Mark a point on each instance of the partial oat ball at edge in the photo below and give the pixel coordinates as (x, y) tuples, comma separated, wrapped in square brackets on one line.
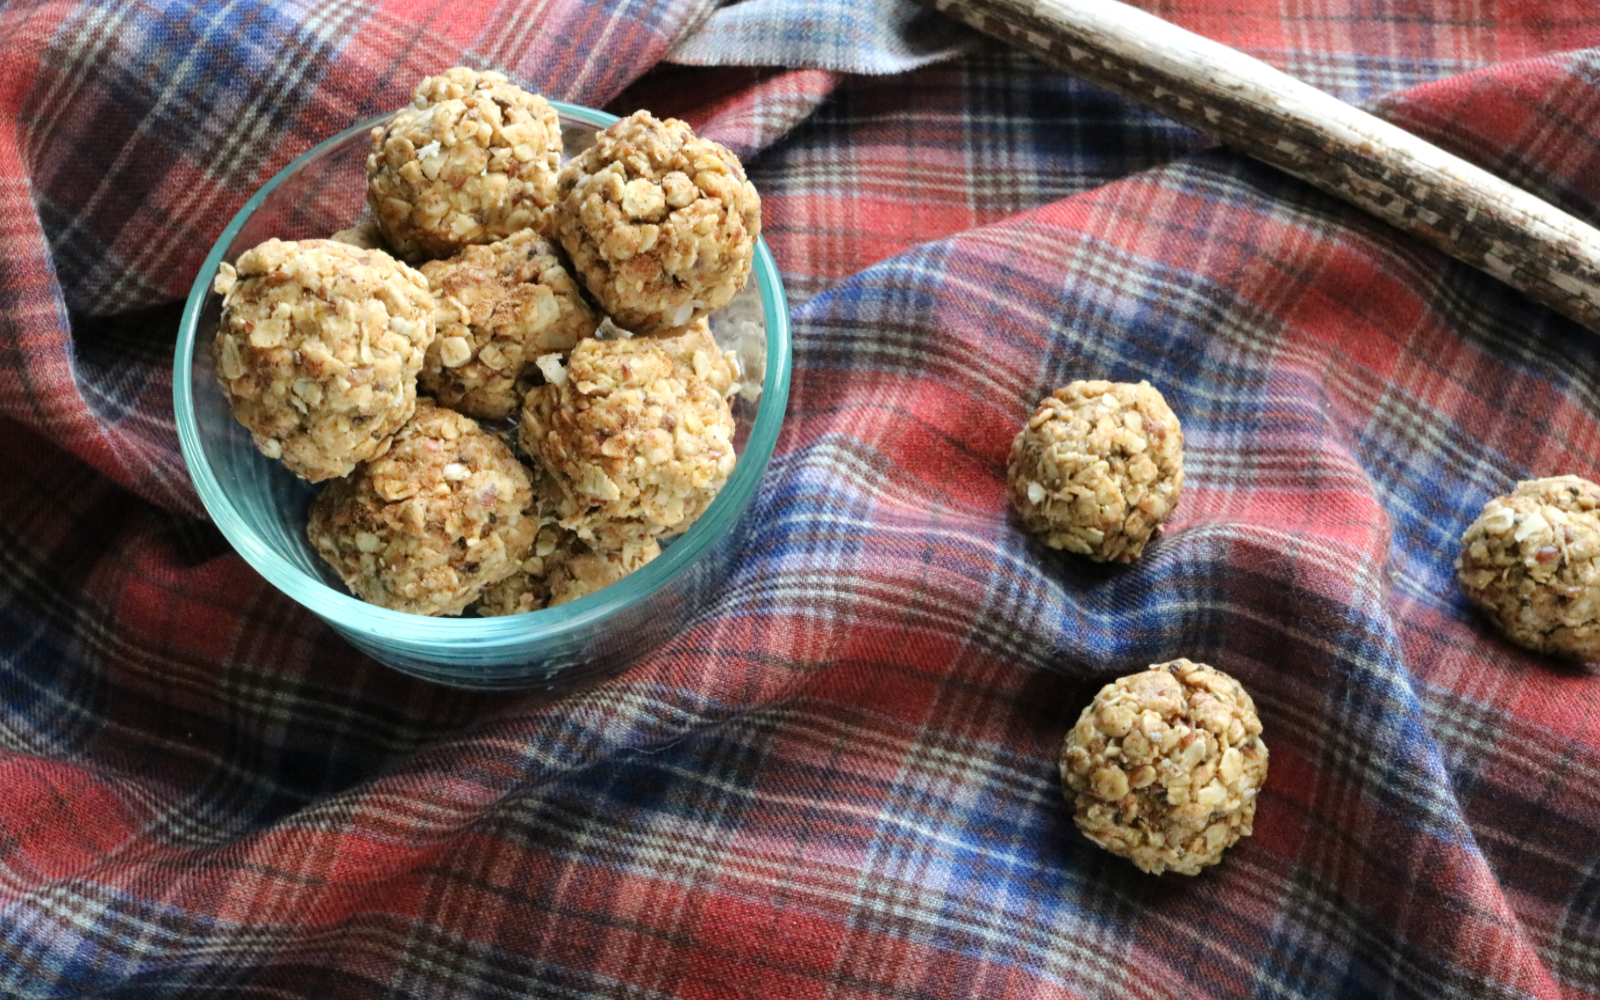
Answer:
[(1097, 468), (1164, 766), (427, 527), (562, 569), (1531, 563), (472, 159), (694, 351), (318, 350), (661, 225)]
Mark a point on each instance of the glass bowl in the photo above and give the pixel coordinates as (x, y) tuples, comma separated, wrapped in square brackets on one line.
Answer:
[(261, 507)]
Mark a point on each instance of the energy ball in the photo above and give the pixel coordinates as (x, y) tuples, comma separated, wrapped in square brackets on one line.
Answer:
[(473, 159), (1163, 767), (318, 350), (639, 451), (561, 569), (694, 352), (500, 306), (1531, 562), (661, 225), (363, 235), (1097, 469), (433, 522)]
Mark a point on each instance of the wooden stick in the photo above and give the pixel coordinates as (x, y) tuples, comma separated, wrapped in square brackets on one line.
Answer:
[(1550, 256)]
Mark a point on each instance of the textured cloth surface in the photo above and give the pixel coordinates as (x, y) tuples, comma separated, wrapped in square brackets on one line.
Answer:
[(889, 36), (841, 781)]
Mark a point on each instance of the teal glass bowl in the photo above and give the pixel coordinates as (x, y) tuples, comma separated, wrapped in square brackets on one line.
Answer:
[(261, 508)]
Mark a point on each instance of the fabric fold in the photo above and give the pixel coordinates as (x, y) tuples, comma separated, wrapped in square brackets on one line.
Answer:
[(841, 778)]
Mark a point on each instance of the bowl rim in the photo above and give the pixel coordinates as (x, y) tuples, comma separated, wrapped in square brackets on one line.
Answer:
[(348, 612)]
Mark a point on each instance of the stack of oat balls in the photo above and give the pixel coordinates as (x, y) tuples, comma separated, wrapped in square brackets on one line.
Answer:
[(505, 375)]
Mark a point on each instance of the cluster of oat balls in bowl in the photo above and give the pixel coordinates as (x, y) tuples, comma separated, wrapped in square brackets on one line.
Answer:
[(1164, 766), (504, 374)]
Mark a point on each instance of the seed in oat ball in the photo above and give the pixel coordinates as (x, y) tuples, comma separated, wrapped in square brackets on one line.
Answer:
[(661, 225), (1097, 468), (694, 352), (1164, 766), (638, 450), (472, 159), (318, 350), (425, 528), (500, 306), (1531, 563), (561, 569)]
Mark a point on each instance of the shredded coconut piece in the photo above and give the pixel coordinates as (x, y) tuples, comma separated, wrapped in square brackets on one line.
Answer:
[(554, 372)]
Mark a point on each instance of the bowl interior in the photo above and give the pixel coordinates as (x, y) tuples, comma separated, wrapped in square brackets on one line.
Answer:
[(261, 507)]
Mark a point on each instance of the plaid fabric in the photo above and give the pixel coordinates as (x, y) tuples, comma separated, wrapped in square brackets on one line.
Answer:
[(840, 782), (889, 36)]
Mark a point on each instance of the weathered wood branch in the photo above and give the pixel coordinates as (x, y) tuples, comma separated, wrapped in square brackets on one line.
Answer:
[(1550, 256)]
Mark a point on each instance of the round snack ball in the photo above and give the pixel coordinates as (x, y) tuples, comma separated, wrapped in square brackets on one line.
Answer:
[(426, 527), (561, 569), (1097, 468), (318, 350), (639, 451), (1164, 765), (695, 352), (1531, 562), (661, 225), (473, 159), (500, 306), (363, 235)]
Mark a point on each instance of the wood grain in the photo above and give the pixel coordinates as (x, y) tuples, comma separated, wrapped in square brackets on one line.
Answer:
[(1547, 254)]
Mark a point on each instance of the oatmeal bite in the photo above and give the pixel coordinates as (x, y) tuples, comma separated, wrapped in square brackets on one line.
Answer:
[(694, 352), (637, 449), (363, 235), (561, 569), (1164, 765), (1531, 563), (318, 350), (661, 225), (1097, 468), (500, 306), (472, 159), (428, 526)]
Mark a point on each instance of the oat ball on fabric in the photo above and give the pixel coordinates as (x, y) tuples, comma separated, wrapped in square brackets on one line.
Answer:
[(472, 159), (429, 525), (695, 352), (318, 350), (561, 569), (639, 451), (1097, 468), (500, 306), (1531, 562), (1164, 765), (661, 225)]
